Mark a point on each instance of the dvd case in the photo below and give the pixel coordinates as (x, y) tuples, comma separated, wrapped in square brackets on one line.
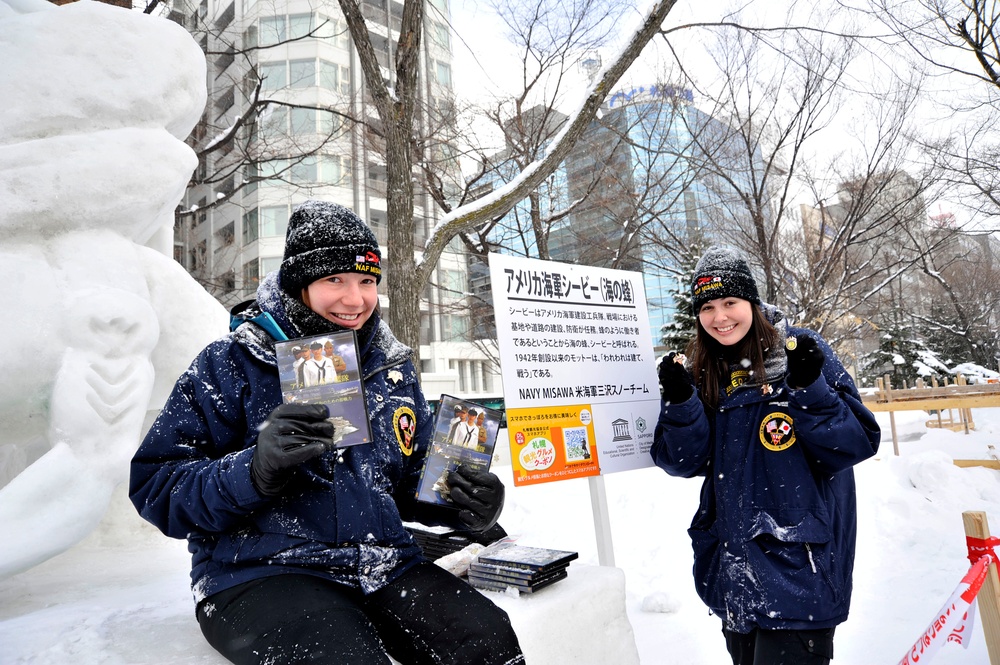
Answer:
[(464, 433), (326, 369), (537, 559), (503, 585)]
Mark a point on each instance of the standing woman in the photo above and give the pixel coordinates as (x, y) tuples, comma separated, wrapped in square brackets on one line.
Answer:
[(299, 554), (768, 415)]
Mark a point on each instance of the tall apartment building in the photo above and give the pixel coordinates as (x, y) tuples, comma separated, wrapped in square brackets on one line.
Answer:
[(317, 139)]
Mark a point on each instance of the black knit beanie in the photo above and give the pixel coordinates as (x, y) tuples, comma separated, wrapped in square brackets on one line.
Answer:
[(326, 239), (722, 273)]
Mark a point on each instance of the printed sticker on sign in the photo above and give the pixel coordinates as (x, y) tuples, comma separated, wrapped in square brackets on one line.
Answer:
[(538, 455)]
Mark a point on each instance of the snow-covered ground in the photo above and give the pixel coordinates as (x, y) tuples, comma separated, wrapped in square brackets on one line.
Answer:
[(121, 596), (91, 165)]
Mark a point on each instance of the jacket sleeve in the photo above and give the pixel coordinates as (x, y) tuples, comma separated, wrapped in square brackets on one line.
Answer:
[(191, 472), (682, 444), (836, 430)]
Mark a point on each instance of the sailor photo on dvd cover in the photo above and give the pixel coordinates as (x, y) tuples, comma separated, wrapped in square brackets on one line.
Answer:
[(324, 369), (464, 433)]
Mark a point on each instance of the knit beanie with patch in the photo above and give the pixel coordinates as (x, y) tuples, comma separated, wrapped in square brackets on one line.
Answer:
[(722, 273), (326, 239)]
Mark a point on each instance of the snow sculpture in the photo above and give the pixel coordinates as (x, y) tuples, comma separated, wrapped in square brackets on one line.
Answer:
[(97, 323)]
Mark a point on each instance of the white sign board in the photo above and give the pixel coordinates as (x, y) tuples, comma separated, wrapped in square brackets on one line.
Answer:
[(578, 369)]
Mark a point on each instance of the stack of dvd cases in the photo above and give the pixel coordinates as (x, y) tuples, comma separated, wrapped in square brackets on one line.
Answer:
[(527, 569), (436, 542)]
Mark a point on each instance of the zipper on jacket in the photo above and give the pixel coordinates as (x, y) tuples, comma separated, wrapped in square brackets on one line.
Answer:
[(809, 551)]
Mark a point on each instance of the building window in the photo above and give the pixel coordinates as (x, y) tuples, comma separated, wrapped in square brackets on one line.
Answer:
[(226, 17), (251, 230), (273, 221), (269, 264), (299, 25), (273, 75), (377, 220), (335, 170), (223, 61), (225, 101), (250, 37), (329, 123), (273, 169), (334, 31), (442, 71), (224, 236), (272, 30), (441, 35), (487, 378), (453, 283), (303, 121), (198, 256), (304, 171), (250, 175), (251, 275), (334, 77), (275, 122), (454, 326), (302, 73)]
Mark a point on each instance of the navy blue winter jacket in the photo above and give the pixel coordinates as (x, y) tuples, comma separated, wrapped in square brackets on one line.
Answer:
[(341, 520), (775, 531)]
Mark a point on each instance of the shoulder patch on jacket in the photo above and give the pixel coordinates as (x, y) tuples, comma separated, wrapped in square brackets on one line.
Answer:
[(404, 422), (776, 431)]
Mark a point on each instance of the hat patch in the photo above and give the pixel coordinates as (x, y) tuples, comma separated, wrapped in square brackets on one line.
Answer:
[(367, 263), (707, 284)]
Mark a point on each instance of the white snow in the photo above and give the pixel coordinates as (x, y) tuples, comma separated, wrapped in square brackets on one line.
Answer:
[(122, 595), (99, 319), (98, 326)]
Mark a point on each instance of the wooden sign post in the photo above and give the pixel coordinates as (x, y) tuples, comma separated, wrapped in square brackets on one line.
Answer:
[(976, 526)]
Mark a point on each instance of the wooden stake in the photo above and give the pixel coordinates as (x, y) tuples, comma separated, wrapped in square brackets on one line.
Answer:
[(976, 526), (892, 417)]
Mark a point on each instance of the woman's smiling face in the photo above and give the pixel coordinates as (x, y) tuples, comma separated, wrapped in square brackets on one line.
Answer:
[(347, 299), (726, 320)]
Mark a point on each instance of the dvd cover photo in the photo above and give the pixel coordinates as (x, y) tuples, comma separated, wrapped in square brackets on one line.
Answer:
[(325, 369), (464, 433)]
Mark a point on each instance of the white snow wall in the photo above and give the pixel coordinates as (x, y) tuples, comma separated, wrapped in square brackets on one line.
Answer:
[(97, 324)]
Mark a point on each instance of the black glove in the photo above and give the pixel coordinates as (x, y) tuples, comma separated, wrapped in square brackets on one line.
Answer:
[(805, 361), (676, 385), (291, 435), (478, 494)]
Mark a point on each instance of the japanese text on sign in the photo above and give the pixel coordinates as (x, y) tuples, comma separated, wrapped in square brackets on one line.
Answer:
[(549, 284)]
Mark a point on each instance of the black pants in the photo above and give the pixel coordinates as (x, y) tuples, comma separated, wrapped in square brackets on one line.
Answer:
[(780, 647), (428, 616)]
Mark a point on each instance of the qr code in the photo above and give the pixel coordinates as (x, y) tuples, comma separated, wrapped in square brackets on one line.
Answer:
[(577, 444)]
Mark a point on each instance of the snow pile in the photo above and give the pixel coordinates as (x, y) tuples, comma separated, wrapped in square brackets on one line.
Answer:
[(98, 101)]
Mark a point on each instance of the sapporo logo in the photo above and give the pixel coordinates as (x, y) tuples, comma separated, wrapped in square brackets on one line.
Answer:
[(776, 432)]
